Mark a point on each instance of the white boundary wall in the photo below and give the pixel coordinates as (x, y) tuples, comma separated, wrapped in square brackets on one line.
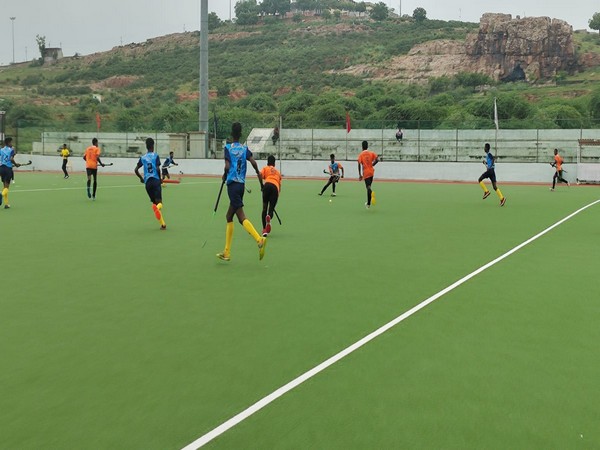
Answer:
[(392, 170)]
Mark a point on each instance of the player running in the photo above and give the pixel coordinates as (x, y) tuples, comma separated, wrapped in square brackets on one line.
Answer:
[(490, 164), (367, 160), (92, 159), (558, 175), (270, 193), (234, 175), (334, 175), (151, 163), (7, 161), (169, 161)]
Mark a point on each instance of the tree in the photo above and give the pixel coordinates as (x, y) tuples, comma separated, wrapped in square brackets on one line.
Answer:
[(214, 21), (41, 42), (379, 12), (419, 15), (247, 12), (594, 22), (275, 6)]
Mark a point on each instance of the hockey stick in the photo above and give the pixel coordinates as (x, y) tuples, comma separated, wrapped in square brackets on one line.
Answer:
[(277, 215), (28, 163)]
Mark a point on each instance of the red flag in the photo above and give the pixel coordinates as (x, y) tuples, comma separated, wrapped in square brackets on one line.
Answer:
[(98, 120), (348, 127)]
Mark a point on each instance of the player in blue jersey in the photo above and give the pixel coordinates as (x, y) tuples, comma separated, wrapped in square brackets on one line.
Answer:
[(236, 157), (7, 161), (334, 175), (490, 164), (151, 164), (169, 161)]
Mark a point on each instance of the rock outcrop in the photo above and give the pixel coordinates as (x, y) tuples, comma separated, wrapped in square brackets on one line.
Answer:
[(534, 48)]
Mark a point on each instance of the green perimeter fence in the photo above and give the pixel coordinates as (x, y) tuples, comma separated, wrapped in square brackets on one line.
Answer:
[(421, 141)]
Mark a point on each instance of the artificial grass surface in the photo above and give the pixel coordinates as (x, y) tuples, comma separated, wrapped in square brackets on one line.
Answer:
[(118, 335)]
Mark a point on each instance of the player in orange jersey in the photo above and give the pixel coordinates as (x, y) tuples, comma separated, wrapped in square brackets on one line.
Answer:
[(558, 175), (270, 193), (367, 160), (92, 159)]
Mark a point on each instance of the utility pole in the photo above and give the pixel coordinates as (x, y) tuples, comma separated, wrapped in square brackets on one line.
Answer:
[(203, 113), (13, 37)]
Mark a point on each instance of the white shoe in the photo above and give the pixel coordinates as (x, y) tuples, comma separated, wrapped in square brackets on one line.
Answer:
[(367, 205)]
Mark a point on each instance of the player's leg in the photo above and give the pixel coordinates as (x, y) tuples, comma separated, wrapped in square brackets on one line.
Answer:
[(5, 176), (554, 181), (326, 186), (483, 176), (153, 188), (561, 178), (89, 182), (368, 182), (272, 196), (496, 188), (95, 183), (64, 168)]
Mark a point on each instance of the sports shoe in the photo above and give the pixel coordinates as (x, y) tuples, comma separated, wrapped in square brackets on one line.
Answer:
[(333, 194), (163, 227), (89, 194), (156, 211), (320, 193), (6, 206), (486, 194), (373, 199), (503, 201), (222, 257), (268, 227), (66, 176), (568, 185), (262, 245), (367, 205), (264, 233), (552, 189)]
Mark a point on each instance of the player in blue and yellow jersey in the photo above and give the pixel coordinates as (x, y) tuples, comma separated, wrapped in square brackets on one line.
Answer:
[(169, 161), (151, 164), (236, 156), (7, 161), (334, 169), (490, 164), (270, 193)]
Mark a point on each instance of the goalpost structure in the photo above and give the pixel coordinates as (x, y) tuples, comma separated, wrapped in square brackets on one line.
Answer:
[(588, 161)]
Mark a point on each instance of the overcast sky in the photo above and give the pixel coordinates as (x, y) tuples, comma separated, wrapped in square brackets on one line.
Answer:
[(85, 26)]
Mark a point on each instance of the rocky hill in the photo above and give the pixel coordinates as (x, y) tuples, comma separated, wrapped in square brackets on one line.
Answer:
[(532, 48)]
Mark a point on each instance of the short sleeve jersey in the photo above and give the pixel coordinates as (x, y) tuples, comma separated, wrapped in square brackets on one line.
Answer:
[(271, 175), (150, 162), (366, 159), (92, 154), (64, 153), (168, 162), (237, 155), (559, 162), (6, 155)]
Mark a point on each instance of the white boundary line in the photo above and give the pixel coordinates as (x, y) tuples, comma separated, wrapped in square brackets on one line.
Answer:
[(205, 439)]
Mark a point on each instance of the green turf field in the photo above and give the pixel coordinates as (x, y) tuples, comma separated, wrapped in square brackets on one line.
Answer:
[(116, 335)]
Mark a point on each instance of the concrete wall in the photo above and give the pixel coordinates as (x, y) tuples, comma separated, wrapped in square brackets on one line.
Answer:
[(391, 170)]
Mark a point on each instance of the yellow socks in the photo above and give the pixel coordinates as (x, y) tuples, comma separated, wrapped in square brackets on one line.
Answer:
[(482, 184), (228, 238), (499, 194), (158, 214), (251, 230), (5, 195)]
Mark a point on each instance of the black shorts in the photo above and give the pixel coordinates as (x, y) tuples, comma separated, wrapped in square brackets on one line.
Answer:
[(368, 181), (90, 172), (154, 190), (235, 191), (490, 173), (270, 194), (165, 172), (6, 174)]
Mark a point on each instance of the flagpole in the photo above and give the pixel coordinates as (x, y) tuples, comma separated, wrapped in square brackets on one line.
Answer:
[(497, 126)]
